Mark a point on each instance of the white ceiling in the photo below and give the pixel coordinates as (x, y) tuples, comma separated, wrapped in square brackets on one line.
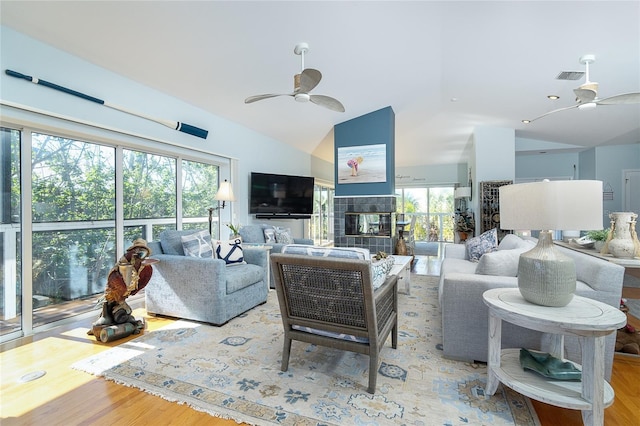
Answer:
[(498, 59)]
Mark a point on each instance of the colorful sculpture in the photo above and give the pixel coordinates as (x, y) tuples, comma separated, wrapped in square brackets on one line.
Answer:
[(130, 275)]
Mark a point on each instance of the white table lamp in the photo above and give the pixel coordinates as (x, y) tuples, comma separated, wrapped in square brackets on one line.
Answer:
[(545, 275)]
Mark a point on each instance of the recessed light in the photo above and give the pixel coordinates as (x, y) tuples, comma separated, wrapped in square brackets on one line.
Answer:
[(553, 97), (526, 121)]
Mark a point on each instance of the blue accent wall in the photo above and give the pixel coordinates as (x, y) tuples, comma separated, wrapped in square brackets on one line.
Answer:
[(375, 128)]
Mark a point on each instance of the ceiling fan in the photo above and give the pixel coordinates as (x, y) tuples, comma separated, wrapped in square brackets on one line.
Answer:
[(304, 83), (587, 94)]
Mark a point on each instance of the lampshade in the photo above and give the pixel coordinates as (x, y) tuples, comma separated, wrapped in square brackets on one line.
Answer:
[(225, 193), (552, 205), (462, 192), (546, 276)]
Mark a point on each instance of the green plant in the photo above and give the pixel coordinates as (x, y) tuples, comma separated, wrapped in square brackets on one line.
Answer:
[(600, 235), (235, 229), (464, 222)]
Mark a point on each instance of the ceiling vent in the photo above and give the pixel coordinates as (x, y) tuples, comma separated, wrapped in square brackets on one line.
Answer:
[(570, 75)]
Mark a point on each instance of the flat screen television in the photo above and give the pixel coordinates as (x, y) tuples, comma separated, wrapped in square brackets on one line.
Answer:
[(281, 196)]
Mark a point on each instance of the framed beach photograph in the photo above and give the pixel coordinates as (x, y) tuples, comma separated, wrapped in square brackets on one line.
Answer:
[(362, 164)]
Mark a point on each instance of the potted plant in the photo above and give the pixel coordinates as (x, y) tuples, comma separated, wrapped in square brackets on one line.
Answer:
[(598, 238), (235, 229), (464, 224)]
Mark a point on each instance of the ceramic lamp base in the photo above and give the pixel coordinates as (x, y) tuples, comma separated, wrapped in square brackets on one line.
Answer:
[(546, 276)]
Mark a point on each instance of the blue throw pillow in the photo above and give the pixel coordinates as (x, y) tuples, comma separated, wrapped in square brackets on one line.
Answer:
[(484, 243), (197, 245)]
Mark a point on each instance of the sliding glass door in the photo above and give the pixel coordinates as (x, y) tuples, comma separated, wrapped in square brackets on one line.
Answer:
[(71, 207), (321, 223), (10, 228), (433, 208)]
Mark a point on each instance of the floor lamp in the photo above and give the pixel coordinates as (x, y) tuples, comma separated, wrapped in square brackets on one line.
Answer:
[(224, 194), (545, 275)]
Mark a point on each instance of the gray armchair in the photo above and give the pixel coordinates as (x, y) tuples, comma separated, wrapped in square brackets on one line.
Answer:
[(322, 299), (203, 289)]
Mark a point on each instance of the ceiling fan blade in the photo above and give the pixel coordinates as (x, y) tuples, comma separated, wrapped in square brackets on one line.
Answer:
[(554, 111), (625, 98), (309, 79), (327, 102), (251, 99)]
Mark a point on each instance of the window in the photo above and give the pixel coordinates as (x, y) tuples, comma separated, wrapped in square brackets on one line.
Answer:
[(78, 189)]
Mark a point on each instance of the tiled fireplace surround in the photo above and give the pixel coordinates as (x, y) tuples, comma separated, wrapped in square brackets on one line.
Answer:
[(369, 204)]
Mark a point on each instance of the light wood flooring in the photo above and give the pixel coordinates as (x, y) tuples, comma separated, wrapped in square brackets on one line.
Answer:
[(64, 396)]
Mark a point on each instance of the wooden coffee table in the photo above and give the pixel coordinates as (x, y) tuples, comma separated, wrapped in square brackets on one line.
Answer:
[(402, 269)]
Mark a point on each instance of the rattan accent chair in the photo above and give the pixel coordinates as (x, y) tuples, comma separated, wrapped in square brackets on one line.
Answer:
[(331, 302)]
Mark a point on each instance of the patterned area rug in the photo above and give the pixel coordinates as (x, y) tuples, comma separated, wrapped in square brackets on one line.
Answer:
[(234, 372)]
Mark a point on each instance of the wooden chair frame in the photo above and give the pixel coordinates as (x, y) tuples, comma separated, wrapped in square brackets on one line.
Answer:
[(334, 295)]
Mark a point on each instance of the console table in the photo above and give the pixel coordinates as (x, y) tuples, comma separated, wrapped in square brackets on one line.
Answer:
[(588, 319), (631, 265)]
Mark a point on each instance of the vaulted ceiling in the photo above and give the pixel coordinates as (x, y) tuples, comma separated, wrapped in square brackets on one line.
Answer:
[(444, 67)]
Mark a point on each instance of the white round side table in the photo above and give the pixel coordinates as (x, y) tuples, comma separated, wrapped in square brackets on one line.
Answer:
[(588, 319)]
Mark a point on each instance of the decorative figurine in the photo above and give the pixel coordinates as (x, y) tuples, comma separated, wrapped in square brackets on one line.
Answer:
[(130, 275)]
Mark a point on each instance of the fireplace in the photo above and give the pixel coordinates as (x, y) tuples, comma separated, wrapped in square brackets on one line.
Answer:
[(368, 222)]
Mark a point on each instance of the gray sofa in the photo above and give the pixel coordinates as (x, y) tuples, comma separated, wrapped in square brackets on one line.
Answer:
[(203, 289), (465, 316), (254, 234)]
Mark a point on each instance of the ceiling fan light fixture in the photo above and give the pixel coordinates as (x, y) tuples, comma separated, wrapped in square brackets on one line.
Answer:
[(302, 97)]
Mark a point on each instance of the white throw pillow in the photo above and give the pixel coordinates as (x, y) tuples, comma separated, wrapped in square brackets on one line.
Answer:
[(230, 251), (343, 252), (512, 241), (197, 245), (502, 262), (269, 235)]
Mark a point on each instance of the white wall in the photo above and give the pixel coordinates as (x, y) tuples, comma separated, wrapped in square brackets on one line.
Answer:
[(226, 139), (548, 165)]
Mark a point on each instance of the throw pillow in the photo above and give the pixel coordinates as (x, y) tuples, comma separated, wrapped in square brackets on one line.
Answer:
[(342, 252), (230, 251), (512, 241), (269, 235), (283, 236), (197, 245), (484, 243), (502, 262)]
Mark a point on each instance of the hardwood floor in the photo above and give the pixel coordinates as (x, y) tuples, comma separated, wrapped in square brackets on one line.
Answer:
[(65, 396)]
